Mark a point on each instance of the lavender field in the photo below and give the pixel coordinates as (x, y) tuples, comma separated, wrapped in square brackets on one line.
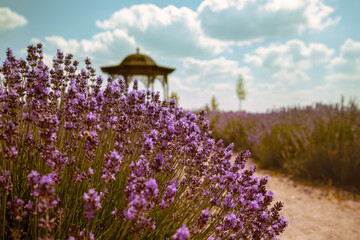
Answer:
[(85, 160), (319, 143)]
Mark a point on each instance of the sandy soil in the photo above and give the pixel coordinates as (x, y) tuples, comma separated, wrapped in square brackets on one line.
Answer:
[(315, 212)]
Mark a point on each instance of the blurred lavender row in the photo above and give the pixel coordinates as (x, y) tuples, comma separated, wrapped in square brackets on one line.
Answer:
[(318, 143)]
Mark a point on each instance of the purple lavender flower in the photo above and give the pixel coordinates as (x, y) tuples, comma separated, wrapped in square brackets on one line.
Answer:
[(55, 159), (148, 146), (33, 181), (228, 202), (181, 234), (203, 218), (264, 215), (16, 208), (158, 162), (151, 190), (90, 118), (112, 165), (169, 194), (137, 208), (254, 205), (29, 206), (5, 182), (114, 212), (92, 203), (230, 221), (44, 188), (82, 235), (140, 168)]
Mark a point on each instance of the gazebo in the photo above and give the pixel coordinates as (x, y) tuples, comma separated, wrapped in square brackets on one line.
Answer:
[(141, 65)]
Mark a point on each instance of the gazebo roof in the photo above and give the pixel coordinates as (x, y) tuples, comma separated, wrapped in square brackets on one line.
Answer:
[(137, 64)]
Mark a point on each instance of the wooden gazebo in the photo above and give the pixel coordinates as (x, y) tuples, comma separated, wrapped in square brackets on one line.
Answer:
[(141, 65)]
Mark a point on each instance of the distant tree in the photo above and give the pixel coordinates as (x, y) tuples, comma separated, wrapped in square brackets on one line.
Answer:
[(240, 90), (176, 96), (214, 103)]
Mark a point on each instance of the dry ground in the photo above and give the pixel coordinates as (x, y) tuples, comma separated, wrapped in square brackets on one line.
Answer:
[(315, 212)]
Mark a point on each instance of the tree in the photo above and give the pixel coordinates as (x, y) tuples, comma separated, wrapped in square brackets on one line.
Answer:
[(214, 103), (240, 90)]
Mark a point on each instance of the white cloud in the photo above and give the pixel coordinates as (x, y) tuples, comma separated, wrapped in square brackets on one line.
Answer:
[(35, 40), (201, 79), (347, 65), (106, 47), (276, 5), (177, 84), (241, 20), (168, 32), (10, 20), (222, 86), (342, 79), (171, 31), (214, 70), (289, 61), (317, 15), (291, 77)]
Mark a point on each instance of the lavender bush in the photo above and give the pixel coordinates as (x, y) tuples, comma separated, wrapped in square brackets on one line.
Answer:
[(318, 143), (82, 162)]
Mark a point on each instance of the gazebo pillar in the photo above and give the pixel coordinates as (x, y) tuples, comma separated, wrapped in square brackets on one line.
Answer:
[(166, 88), (151, 82)]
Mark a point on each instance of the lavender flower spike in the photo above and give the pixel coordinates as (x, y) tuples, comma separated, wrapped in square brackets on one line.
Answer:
[(181, 234), (92, 203)]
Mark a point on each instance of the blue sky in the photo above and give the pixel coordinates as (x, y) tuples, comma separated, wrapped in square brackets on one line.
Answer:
[(289, 53)]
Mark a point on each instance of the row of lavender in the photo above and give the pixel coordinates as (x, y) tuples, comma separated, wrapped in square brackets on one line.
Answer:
[(79, 161), (319, 142)]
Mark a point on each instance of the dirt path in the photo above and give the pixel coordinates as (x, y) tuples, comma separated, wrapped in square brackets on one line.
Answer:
[(315, 212)]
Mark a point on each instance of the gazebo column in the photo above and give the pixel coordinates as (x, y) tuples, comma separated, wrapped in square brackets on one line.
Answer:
[(151, 80), (166, 88), (148, 83), (125, 78)]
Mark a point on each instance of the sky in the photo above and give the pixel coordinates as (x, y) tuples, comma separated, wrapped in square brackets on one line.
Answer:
[(289, 52)]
